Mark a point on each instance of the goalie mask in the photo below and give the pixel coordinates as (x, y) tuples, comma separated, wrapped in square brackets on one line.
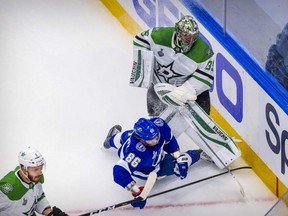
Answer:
[(187, 32), (147, 132), (30, 157)]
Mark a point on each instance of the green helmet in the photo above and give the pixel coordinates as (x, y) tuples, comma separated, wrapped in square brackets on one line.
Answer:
[(187, 32)]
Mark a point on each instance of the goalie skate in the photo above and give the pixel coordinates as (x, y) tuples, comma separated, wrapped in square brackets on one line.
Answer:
[(113, 131), (205, 157)]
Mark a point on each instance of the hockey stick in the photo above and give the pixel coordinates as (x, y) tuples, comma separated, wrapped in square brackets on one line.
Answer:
[(190, 108), (160, 193), (198, 181), (144, 194)]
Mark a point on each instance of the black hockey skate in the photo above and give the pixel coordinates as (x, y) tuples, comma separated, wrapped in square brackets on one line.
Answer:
[(113, 131)]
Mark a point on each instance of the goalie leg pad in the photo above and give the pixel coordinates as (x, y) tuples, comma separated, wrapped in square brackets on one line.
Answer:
[(209, 136), (173, 117)]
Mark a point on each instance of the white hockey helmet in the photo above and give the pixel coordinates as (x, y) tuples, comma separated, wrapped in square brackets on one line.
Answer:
[(187, 32), (30, 157)]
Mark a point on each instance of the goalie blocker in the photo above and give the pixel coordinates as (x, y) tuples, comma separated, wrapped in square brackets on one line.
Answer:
[(209, 136), (142, 70)]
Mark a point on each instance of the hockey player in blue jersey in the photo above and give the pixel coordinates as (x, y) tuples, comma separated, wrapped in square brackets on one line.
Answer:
[(150, 146)]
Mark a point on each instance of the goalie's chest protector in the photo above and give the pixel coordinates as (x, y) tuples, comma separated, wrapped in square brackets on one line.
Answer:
[(171, 66)]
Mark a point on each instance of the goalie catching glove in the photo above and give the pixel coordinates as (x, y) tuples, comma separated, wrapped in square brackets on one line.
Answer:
[(175, 96)]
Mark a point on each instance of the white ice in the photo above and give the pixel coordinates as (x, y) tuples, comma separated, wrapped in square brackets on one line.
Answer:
[(65, 68)]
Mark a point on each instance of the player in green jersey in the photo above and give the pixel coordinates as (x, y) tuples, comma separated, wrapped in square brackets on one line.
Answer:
[(21, 192), (179, 57)]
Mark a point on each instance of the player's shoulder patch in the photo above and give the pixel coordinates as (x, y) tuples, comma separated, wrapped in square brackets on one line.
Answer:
[(158, 122), (209, 52), (6, 188), (12, 186)]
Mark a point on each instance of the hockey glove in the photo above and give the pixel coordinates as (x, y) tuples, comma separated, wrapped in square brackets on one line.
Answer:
[(57, 212), (180, 95), (182, 166), (175, 96), (139, 204)]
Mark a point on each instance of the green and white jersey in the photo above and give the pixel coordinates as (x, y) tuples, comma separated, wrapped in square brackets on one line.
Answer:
[(18, 198), (174, 67)]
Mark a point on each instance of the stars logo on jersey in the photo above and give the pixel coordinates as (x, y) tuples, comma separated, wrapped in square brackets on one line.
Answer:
[(6, 188), (165, 72)]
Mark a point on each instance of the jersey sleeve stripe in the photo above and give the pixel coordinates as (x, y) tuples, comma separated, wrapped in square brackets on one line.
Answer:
[(205, 74), (202, 80), (141, 39)]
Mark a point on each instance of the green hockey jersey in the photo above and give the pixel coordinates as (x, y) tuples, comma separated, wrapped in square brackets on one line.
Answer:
[(18, 198), (174, 67)]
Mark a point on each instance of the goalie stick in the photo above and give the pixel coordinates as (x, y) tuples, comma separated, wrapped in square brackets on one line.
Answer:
[(160, 193), (147, 188)]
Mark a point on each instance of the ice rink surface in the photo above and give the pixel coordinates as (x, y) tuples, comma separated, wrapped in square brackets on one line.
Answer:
[(65, 68)]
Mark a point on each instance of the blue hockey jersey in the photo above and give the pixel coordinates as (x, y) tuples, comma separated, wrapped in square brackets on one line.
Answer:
[(137, 159)]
